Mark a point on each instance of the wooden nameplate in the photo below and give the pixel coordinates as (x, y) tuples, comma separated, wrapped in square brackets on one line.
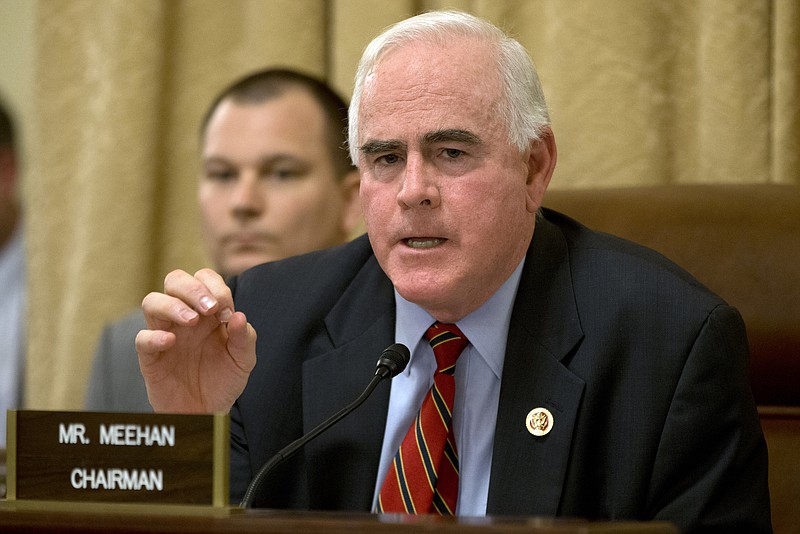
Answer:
[(118, 457)]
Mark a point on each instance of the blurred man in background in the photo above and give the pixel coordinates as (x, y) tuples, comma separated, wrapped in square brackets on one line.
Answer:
[(275, 181), (12, 275)]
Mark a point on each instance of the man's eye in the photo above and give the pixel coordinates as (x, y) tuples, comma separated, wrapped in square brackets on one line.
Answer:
[(452, 153), (220, 176), (285, 174), (388, 159)]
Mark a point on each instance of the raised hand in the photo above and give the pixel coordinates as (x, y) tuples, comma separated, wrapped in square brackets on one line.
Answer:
[(198, 352)]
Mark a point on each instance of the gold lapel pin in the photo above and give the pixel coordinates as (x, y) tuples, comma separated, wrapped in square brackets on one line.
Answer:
[(539, 421)]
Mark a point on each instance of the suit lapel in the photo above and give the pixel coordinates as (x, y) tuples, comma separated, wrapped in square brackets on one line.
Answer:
[(343, 462), (527, 471)]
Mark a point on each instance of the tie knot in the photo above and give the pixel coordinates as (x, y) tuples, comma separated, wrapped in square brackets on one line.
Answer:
[(447, 342)]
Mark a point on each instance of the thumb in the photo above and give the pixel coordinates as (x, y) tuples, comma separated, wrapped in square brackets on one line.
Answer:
[(242, 342)]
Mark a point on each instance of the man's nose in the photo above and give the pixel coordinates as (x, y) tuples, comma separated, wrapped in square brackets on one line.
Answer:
[(248, 198), (419, 187)]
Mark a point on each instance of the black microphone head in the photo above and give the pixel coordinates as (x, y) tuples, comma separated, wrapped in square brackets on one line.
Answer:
[(393, 360)]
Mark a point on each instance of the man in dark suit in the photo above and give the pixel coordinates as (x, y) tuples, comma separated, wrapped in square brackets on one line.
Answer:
[(600, 380)]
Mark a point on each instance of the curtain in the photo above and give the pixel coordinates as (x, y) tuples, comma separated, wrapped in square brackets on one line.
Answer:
[(641, 92)]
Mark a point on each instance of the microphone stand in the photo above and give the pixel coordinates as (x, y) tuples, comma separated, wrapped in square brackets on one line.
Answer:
[(392, 361)]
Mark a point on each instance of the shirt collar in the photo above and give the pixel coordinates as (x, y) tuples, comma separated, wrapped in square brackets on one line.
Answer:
[(486, 327)]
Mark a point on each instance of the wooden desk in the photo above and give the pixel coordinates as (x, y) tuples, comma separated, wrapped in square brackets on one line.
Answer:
[(27, 517)]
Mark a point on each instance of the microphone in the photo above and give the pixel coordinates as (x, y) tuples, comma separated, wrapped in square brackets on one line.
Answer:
[(392, 361)]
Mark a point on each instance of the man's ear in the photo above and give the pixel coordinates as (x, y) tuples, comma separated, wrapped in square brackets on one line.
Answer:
[(541, 164), (351, 205)]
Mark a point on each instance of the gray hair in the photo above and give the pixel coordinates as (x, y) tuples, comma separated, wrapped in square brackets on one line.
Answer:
[(524, 110)]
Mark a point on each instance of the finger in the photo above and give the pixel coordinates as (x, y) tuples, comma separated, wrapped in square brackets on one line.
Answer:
[(151, 342), (193, 291), (162, 311), (219, 291)]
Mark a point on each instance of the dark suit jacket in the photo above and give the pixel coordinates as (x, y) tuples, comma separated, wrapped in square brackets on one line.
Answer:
[(643, 369)]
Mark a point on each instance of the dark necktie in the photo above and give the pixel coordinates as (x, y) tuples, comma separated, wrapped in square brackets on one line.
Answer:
[(423, 477)]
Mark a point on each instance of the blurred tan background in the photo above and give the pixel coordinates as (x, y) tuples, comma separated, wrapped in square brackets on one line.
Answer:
[(109, 93)]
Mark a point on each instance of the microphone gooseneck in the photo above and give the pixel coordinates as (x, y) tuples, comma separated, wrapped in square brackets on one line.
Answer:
[(392, 361)]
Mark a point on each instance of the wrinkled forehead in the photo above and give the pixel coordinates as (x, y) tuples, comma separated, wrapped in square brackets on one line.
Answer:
[(458, 76), (458, 64)]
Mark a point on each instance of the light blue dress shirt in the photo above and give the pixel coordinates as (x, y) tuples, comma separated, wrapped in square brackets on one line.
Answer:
[(478, 373), (12, 326)]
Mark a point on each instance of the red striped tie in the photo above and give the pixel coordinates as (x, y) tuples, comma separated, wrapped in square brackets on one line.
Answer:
[(423, 477)]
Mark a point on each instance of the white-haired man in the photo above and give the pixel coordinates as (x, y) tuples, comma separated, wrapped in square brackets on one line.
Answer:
[(598, 380)]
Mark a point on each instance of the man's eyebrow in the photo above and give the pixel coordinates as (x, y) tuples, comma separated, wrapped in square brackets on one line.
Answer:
[(438, 136), (451, 135), (374, 147), (262, 160)]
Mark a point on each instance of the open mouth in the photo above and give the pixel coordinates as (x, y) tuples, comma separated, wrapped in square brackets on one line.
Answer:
[(424, 242)]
